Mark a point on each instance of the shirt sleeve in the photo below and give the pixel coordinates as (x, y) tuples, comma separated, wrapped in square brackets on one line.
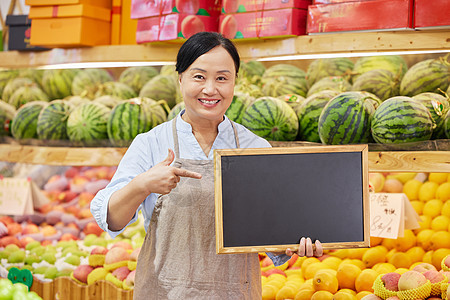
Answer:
[(278, 260), (135, 161)]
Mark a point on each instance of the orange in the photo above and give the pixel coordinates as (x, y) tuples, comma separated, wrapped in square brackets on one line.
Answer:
[(373, 256), (438, 177), (286, 292), (325, 281), (322, 295), (440, 239), (362, 294), (346, 275), (305, 294), (365, 279), (400, 260), (411, 189), (428, 257), (375, 241), (443, 191)]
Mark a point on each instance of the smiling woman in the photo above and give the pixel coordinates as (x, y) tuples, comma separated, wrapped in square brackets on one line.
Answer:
[(168, 173)]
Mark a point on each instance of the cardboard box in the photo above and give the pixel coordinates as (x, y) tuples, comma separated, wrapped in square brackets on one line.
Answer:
[(375, 15), (264, 24), (100, 3), (70, 25), (431, 14), (123, 28), (173, 27), (146, 8), (240, 6), (19, 33), (336, 1)]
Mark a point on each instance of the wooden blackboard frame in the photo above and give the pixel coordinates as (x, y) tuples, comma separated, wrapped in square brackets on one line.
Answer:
[(221, 248)]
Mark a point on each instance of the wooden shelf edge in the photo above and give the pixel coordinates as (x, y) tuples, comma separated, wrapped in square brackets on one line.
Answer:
[(380, 161), (330, 43)]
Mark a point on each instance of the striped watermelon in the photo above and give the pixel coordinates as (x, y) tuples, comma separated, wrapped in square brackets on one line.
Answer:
[(52, 121), (7, 113), (88, 123), (175, 110), (272, 119), (108, 101), (308, 114), (431, 75), (169, 70), (400, 120), (252, 90), (77, 100), (162, 87), (24, 124), (336, 83), (136, 77), (117, 89), (383, 83), (58, 83), (325, 67), (13, 85), (237, 107), (131, 117), (394, 63), (438, 106), (5, 77), (34, 74), (27, 94), (282, 79), (346, 119), (251, 71), (87, 81)]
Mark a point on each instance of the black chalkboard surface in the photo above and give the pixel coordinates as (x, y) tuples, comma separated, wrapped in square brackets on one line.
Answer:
[(266, 199)]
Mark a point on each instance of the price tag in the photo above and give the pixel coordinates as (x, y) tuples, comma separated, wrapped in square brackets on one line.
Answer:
[(19, 196), (391, 214)]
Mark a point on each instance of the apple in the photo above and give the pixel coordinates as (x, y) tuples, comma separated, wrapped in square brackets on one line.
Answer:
[(81, 272), (393, 298), (371, 297), (24, 241), (275, 271), (99, 250), (423, 267), (266, 262), (71, 172), (85, 213), (6, 220), (68, 237), (121, 273), (447, 261), (30, 228), (135, 254), (85, 199), (7, 240), (48, 230), (67, 196), (115, 255), (377, 181), (390, 281), (129, 281), (434, 276), (411, 280), (14, 228), (123, 244), (393, 185), (92, 228)]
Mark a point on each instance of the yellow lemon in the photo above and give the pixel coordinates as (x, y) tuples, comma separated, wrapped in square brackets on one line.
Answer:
[(408, 240), (356, 253), (438, 256), (433, 208), (263, 280), (346, 275), (286, 292), (357, 262), (411, 189), (299, 261), (390, 253), (375, 241), (443, 191), (365, 279), (425, 222), (332, 261), (445, 210), (428, 257), (418, 206), (325, 281), (305, 294), (415, 253), (400, 260), (308, 261), (401, 270), (383, 268), (349, 291), (427, 191), (438, 177), (362, 294), (440, 239), (344, 296), (424, 239), (311, 270), (341, 253), (440, 223), (269, 292), (322, 295), (373, 256)]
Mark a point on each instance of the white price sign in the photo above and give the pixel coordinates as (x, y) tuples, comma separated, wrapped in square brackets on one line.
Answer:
[(19, 196)]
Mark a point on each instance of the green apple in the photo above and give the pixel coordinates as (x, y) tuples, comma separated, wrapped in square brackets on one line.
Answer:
[(19, 286), (33, 296), (19, 295)]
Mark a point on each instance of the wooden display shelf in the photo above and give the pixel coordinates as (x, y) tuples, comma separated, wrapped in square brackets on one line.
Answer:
[(379, 161), (332, 43)]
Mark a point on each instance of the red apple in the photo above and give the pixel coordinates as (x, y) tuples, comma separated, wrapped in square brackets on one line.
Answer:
[(14, 228), (423, 267), (85, 213), (115, 255), (434, 276), (68, 237), (275, 271), (6, 240), (135, 254), (99, 250), (6, 220), (411, 280), (123, 244), (66, 196), (25, 240), (390, 281), (81, 272), (129, 281), (72, 172), (121, 273), (30, 228), (92, 227)]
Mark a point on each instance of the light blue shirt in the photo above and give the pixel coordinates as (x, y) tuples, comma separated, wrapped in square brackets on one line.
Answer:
[(150, 148)]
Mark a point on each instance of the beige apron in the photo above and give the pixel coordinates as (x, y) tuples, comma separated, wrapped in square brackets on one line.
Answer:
[(178, 258)]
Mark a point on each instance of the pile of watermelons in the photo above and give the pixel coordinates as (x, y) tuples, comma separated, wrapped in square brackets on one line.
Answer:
[(374, 99)]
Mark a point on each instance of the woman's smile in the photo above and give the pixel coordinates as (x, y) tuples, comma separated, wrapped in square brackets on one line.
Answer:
[(209, 102)]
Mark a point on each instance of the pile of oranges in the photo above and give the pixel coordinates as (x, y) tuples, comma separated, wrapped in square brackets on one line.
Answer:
[(350, 273)]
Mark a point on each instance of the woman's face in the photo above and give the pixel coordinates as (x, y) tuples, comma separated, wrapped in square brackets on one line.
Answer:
[(207, 85)]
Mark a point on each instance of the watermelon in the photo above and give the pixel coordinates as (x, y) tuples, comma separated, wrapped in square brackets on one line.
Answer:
[(87, 81), (336, 83), (58, 83), (308, 113), (162, 87), (394, 63), (131, 117), (431, 75), (252, 90), (117, 89), (88, 122), (52, 121), (108, 101), (272, 119), (438, 106), (325, 67), (292, 99), (35, 75), (282, 79), (383, 83), (136, 77), (7, 113), (14, 84), (237, 107), (251, 71), (175, 110), (346, 119), (77, 100), (5, 77), (169, 70), (24, 124), (447, 125), (27, 94), (401, 119)]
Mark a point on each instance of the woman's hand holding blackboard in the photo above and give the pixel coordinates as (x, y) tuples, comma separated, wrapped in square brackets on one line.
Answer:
[(307, 248)]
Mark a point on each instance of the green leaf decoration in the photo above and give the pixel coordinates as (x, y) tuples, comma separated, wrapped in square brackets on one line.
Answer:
[(202, 12), (241, 9), (22, 276), (223, 10), (175, 10), (180, 35), (239, 35)]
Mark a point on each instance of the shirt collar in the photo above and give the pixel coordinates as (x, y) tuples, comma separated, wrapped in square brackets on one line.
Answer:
[(184, 126)]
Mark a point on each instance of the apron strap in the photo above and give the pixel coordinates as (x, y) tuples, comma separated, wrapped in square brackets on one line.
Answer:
[(236, 137)]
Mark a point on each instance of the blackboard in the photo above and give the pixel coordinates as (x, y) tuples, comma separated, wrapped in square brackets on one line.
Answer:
[(266, 199)]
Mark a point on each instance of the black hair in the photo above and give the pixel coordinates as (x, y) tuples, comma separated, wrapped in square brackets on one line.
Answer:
[(201, 43)]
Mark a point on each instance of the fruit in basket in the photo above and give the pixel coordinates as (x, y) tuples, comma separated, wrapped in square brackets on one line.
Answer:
[(272, 119), (52, 120), (411, 280), (324, 67), (24, 123), (423, 267), (88, 122), (57, 83), (136, 77), (26, 94), (430, 75), (81, 273), (346, 119), (283, 79), (7, 113), (400, 120), (394, 63), (438, 106), (382, 83), (128, 284), (434, 276), (115, 258), (116, 89), (87, 81), (390, 280)]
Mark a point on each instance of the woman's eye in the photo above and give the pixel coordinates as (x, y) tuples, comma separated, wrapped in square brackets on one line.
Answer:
[(221, 78), (198, 76)]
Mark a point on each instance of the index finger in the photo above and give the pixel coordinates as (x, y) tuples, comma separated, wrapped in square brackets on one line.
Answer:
[(186, 173)]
